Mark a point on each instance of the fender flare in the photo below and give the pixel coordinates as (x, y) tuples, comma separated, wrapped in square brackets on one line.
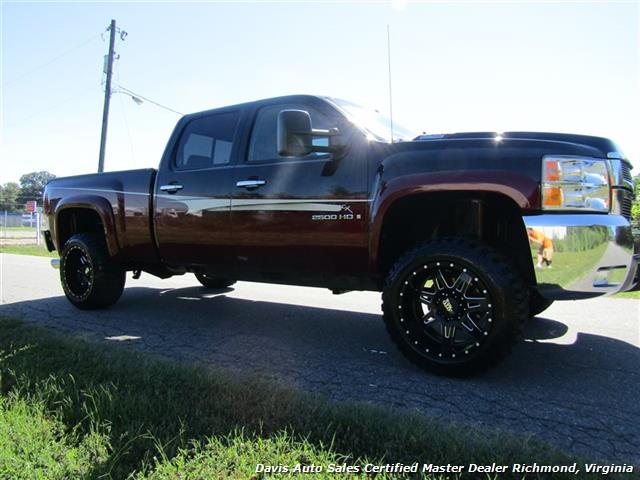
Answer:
[(97, 204), (520, 189)]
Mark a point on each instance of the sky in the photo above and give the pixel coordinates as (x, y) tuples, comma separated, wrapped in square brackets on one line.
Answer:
[(456, 66)]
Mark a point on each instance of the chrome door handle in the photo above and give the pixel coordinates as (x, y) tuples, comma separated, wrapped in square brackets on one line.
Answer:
[(171, 188), (250, 183)]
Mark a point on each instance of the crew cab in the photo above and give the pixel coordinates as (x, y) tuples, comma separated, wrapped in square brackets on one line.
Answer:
[(318, 191)]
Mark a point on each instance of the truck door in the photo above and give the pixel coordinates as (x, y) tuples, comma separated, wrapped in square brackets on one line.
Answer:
[(192, 196), (300, 217)]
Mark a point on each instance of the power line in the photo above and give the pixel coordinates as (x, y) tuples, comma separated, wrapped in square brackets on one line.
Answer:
[(49, 108), (137, 95), (53, 60)]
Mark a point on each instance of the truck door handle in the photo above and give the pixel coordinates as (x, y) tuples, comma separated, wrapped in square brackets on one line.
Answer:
[(171, 188), (250, 183)]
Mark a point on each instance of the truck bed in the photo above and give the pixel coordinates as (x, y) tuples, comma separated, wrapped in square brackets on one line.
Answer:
[(128, 194)]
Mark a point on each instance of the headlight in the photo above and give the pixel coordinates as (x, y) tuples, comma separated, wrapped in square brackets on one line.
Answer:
[(575, 183)]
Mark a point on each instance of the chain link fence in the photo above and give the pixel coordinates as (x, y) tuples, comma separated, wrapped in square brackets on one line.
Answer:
[(20, 228)]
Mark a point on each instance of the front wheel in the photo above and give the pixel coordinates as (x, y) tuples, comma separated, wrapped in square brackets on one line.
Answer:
[(454, 306), (90, 279)]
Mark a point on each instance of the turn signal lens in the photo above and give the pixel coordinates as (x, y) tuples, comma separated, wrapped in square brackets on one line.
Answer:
[(552, 197)]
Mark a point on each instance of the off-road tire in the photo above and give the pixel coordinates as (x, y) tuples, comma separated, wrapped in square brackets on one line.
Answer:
[(537, 304), (214, 283), (419, 315), (90, 279)]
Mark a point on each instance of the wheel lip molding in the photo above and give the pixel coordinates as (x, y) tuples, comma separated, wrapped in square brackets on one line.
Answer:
[(522, 190), (618, 255), (99, 205)]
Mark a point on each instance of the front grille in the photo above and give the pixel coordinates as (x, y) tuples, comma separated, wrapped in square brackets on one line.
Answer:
[(626, 172), (625, 206)]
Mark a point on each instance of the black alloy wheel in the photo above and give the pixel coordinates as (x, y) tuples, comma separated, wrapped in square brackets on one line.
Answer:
[(78, 272), (446, 309), (454, 306), (90, 279)]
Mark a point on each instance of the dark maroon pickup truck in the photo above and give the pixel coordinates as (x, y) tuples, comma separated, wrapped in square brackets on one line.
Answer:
[(466, 235)]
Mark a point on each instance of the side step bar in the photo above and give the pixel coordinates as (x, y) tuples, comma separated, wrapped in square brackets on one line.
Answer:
[(55, 263)]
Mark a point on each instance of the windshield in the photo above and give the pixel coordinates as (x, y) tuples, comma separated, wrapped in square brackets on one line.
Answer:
[(371, 120)]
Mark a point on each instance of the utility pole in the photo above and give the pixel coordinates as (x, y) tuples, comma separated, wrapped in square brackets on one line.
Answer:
[(107, 90)]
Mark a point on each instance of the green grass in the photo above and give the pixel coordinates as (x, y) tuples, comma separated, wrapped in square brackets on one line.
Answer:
[(40, 251), (106, 410), (35, 444), (635, 294), (19, 229), (570, 266), (578, 263), (237, 456)]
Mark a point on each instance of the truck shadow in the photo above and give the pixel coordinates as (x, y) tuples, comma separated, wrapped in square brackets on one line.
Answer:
[(557, 390)]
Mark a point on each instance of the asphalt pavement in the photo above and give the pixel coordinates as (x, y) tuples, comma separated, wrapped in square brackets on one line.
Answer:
[(574, 380)]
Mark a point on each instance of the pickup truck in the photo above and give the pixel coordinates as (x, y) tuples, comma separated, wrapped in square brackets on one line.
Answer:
[(467, 235)]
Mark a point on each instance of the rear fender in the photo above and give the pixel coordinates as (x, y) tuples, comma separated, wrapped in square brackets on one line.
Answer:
[(99, 205)]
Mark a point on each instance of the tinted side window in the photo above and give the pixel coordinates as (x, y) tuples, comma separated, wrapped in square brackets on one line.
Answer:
[(207, 141), (263, 144)]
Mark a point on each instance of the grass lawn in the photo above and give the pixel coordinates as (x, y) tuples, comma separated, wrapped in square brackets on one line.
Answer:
[(578, 264), (19, 229), (578, 267), (35, 443), (71, 408), (635, 294), (40, 251)]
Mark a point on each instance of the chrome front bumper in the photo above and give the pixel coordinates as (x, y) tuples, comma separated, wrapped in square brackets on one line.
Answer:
[(592, 255)]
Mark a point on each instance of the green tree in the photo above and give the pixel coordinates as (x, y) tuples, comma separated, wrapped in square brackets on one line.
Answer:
[(635, 207), (9, 193), (32, 185)]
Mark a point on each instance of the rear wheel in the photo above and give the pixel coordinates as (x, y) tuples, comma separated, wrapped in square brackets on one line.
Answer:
[(214, 283), (454, 306), (90, 279)]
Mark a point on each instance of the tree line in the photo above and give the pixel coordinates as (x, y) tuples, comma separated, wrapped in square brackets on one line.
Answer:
[(13, 196), (635, 207)]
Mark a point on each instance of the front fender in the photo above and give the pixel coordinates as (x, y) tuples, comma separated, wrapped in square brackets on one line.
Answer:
[(521, 189), (99, 205)]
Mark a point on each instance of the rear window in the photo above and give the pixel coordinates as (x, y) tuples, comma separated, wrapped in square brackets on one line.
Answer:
[(207, 141)]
